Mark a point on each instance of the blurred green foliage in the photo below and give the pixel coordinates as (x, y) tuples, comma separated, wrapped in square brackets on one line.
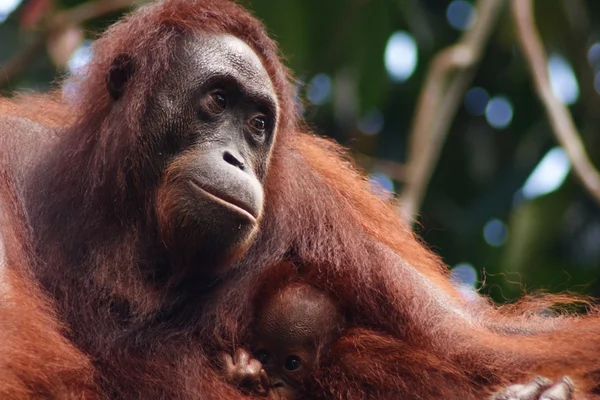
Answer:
[(553, 241)]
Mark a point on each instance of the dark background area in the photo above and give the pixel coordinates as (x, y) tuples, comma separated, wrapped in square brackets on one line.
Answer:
[(503, 207)]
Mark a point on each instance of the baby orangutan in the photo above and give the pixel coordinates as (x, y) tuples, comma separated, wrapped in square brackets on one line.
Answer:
[(299, 327), (293, 329)]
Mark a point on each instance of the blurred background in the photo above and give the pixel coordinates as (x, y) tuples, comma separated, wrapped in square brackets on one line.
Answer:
[(501, 203)]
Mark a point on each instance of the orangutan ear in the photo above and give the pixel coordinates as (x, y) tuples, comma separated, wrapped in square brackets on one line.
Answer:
[(120, 72)]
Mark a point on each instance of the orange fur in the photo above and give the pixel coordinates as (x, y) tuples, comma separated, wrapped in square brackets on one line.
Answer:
[(413, 334), (36, 360)]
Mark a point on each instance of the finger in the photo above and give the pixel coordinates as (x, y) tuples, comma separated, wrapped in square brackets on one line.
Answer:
[(258, 382), (532, 390), (528, 391), (265, 384), (507, 393), (561, 390), (254, 367), (226, 361), (241, 356)]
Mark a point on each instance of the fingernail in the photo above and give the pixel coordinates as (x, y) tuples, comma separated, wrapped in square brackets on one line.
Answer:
[(568, 381), (542, 381)]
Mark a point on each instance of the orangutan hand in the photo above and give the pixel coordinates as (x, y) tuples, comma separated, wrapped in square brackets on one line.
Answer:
[(245, 372), (538, 389)]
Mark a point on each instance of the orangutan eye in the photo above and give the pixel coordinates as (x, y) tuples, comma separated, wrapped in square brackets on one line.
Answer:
[(263, 356), (218, 102), (292, 363), (259, 123)]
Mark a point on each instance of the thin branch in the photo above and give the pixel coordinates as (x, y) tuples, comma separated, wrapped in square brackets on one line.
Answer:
[(560, 118), (58, 23), (91, 10), (449, 75), (580, 29)]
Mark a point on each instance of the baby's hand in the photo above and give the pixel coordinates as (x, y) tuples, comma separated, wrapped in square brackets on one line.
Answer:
[(245, 372)]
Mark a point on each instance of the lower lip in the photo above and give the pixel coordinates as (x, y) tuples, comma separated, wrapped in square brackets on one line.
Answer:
[(225, 203)]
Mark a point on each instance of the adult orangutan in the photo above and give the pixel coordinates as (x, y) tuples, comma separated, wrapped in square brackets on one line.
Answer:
[(171, 190), (181, 153)]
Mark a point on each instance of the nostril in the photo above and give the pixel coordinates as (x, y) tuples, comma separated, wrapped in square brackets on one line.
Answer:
[(233, 160)]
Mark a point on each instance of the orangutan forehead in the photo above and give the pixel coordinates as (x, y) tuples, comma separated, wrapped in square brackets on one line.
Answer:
[(226, 55), (298, 315)]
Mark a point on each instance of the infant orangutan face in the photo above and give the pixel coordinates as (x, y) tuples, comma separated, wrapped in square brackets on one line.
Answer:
[(292, 329)]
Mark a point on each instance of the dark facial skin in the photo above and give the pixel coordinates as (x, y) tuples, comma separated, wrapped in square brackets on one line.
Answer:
[(292, 330), (210, 129)]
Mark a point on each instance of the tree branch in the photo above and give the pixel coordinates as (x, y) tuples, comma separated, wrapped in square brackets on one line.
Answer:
[(449, 74), (560, 119)]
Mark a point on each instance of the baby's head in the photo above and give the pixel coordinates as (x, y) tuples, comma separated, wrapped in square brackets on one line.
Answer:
[(292, 329)]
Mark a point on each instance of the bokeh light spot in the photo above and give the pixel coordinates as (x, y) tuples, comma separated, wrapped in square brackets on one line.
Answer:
[(401, 56), (80, 58), (563, 80), (548, 175), (495, 232), (6, 7), (499, 112), (381, 184), (597, 82), (372, 122), (460, 14), (594, 54), (464, 274), (319, 89), (476, 101)]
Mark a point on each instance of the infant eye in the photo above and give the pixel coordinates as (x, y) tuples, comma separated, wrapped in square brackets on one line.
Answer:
[(259, 123), (218, 102), (292, 363), (262, 356)]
